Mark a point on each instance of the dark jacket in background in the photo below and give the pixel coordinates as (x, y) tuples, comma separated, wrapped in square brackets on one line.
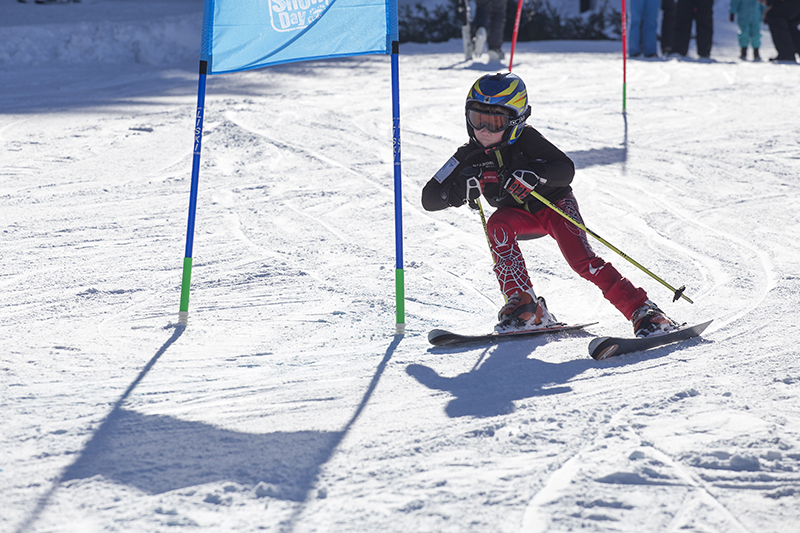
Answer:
[(701, 12), (782, 17)]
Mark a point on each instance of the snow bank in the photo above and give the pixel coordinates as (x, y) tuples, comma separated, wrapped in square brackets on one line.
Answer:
[(100, 31)]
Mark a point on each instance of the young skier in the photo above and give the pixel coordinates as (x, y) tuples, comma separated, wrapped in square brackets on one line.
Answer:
[(512, 159)]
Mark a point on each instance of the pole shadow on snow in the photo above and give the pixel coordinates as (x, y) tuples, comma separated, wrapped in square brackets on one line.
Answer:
[(101, 433), (598, 156), (291, 523), (157, 454)]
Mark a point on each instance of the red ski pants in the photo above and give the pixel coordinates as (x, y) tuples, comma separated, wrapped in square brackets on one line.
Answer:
[(508, 224)]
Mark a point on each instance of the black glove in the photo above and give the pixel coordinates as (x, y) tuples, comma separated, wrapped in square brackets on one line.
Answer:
[(521, 183), (465, 188)]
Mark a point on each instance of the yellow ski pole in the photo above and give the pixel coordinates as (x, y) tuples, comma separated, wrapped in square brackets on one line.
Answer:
[(485, 228), (678, 293), (473, 182)]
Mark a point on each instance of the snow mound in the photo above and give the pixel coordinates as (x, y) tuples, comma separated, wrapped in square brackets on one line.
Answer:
[(100, 32)]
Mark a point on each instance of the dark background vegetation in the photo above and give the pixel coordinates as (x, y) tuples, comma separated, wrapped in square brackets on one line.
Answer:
[(539, 21)]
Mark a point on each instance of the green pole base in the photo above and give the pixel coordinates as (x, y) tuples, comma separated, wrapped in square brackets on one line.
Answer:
[(401, 298), (183, 315)]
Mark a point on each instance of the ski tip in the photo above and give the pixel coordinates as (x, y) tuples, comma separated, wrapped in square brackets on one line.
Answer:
[(700, 328)]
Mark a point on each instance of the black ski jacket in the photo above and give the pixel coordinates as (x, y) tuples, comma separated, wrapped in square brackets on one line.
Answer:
[(531, 151)]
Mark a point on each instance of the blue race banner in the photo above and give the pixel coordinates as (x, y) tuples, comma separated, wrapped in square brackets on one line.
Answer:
[(247, 34)]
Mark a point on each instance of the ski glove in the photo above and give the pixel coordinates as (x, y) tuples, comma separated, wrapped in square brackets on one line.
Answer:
[(521, 183), (465, 188)]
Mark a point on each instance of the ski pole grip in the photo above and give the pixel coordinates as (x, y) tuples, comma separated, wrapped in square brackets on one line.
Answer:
[(473, 183)]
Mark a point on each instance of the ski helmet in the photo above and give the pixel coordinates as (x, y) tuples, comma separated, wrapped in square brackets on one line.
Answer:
[(505, 90)]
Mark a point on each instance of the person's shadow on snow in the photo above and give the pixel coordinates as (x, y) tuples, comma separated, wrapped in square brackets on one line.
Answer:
[(507, 375)]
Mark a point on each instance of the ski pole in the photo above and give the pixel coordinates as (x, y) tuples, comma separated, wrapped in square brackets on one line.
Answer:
[(624, 53), (483, 221), (678, 293), (514, 36), (474, 183)]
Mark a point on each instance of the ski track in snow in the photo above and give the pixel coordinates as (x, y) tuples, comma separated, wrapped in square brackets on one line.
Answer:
[(287, 404)]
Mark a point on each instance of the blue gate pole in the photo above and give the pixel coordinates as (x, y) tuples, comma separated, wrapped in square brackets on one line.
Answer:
[(398, 196), (183, 314)]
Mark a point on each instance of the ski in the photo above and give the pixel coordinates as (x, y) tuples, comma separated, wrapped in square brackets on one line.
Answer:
[(440, 337), (605, 347), (466, 31)]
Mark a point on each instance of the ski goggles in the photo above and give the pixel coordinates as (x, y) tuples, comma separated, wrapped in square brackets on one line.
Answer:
[(494, 122)]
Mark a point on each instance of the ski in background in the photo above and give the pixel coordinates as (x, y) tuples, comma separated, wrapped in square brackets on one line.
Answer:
[(466, 30)]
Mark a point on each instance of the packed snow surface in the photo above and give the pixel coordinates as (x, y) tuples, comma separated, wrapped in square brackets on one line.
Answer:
[(289, 403)]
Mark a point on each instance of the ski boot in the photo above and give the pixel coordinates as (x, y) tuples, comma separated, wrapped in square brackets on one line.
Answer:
[(523, 313), (650, 320)]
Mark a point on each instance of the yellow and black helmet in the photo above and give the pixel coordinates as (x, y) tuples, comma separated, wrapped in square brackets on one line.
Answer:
[(506, 92)]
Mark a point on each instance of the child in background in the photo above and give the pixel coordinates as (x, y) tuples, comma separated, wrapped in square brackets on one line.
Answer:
[(750, 14)]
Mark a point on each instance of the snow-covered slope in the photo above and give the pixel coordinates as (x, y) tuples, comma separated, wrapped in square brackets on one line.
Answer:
[(288, 404)]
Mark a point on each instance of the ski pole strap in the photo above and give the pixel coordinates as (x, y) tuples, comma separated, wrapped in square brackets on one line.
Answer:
[(677, 293)]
